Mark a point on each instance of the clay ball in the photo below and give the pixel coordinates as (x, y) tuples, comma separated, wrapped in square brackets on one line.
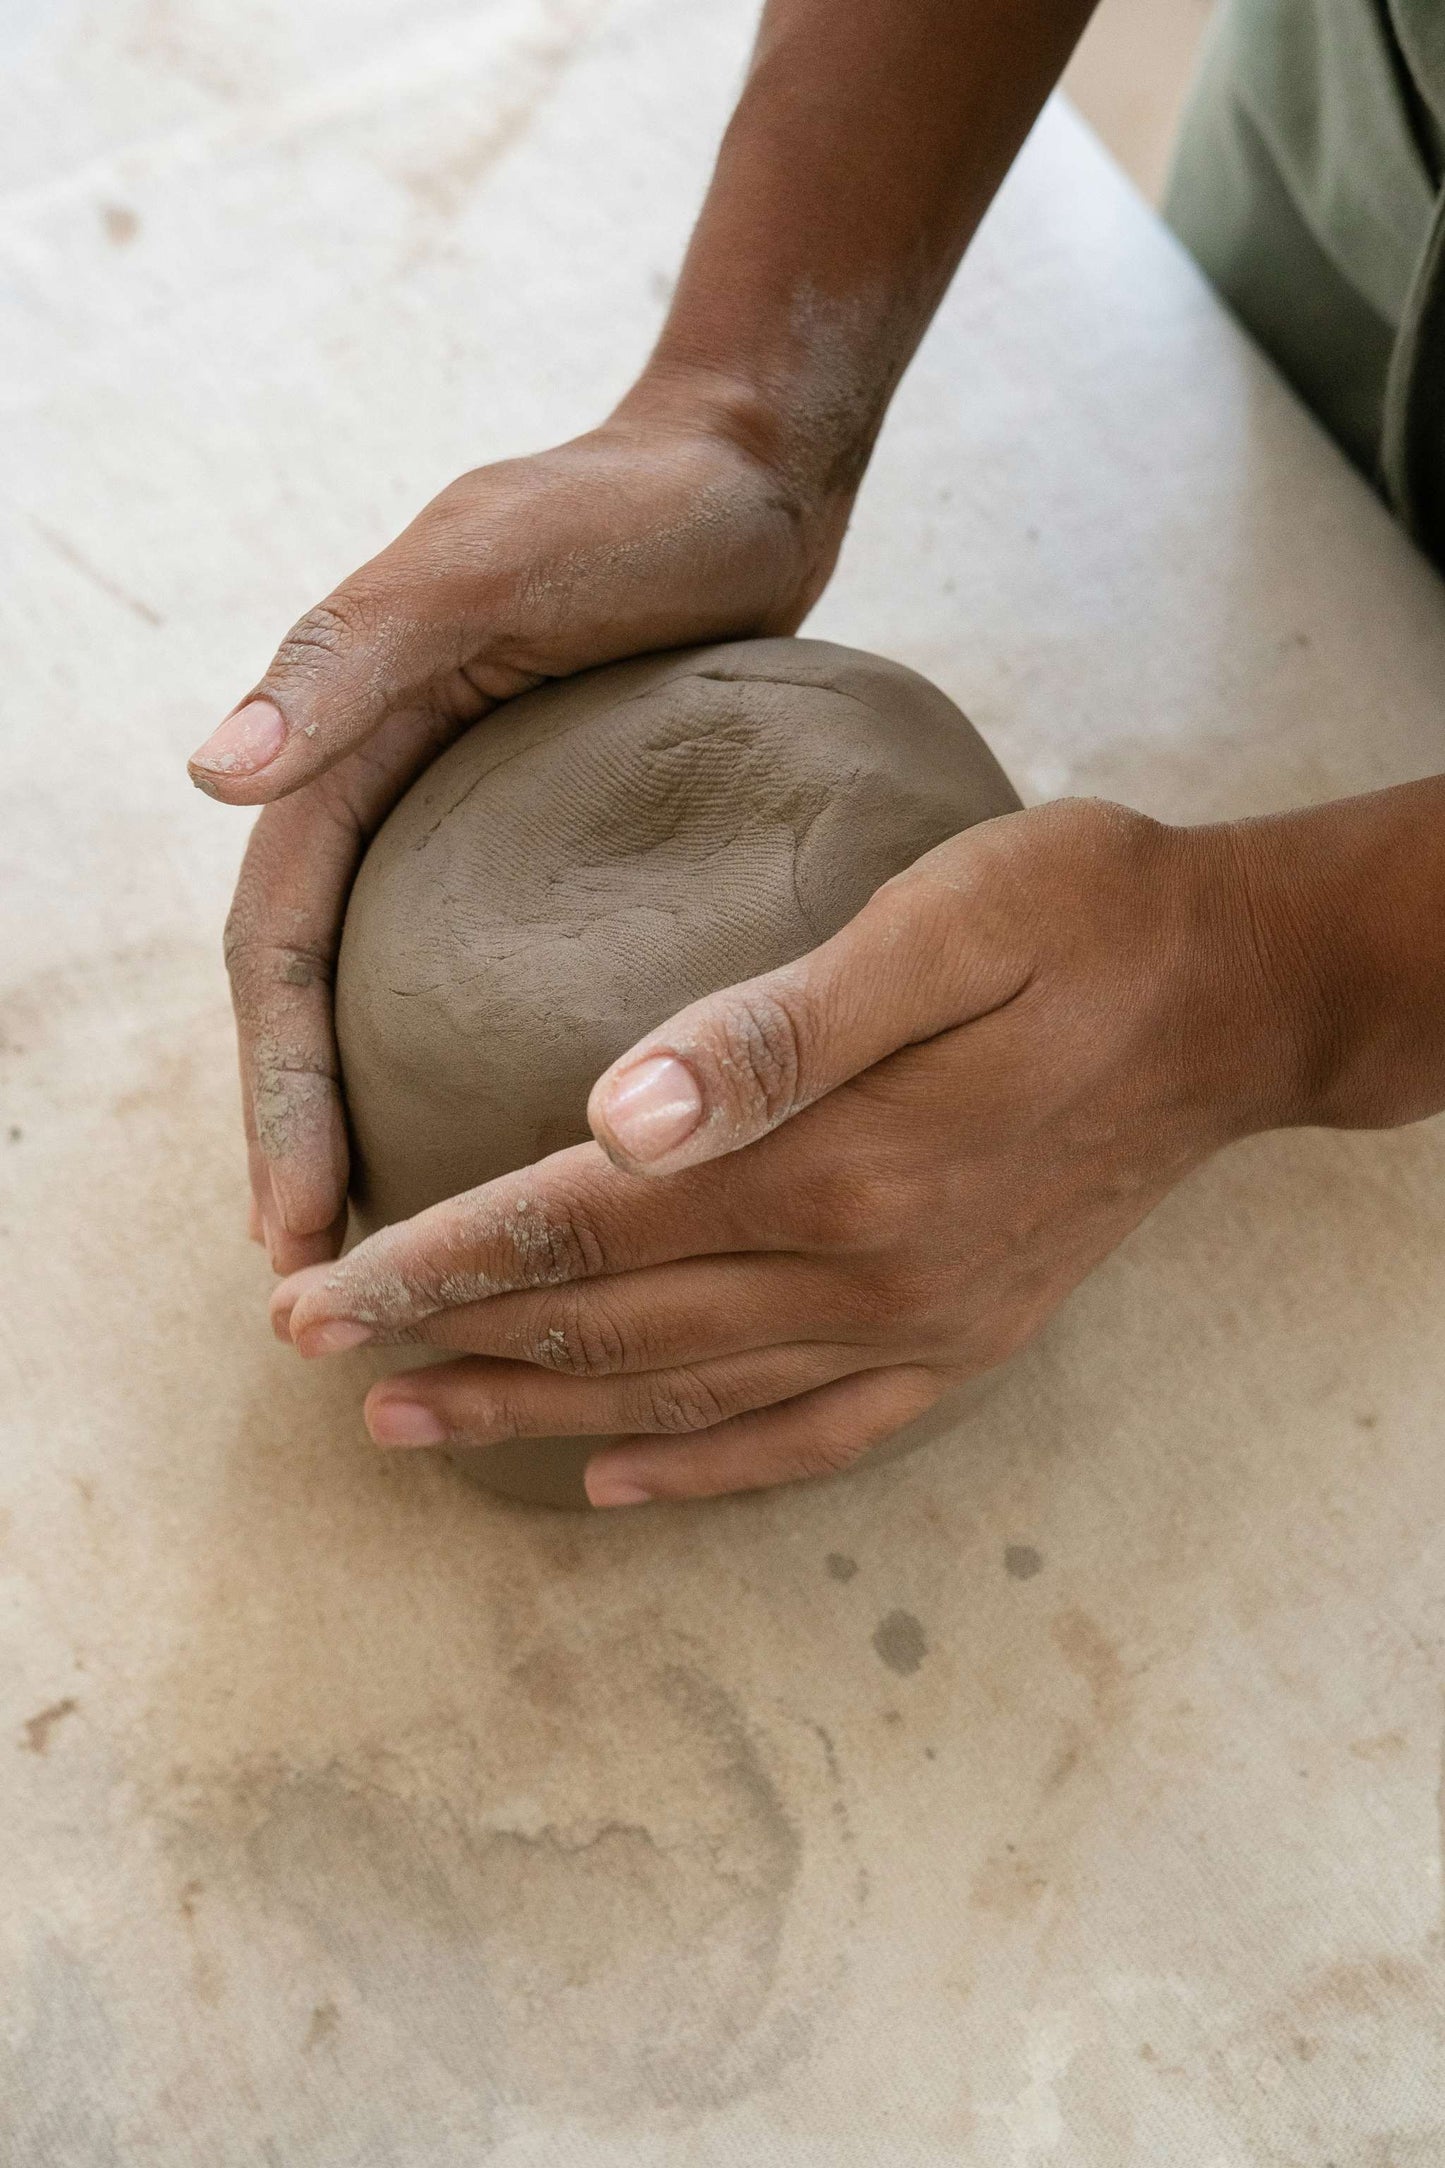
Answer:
[(592, 857)]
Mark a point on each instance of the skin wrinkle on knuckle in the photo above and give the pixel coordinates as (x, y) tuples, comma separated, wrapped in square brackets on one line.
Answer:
[(842, 1212), (759, 1062), (582, 1342), (259, 969), (828, 1454), (322, 636), (675, 1403), (572, 1249), (888, 1302), (555, 1351), (499, 1416), (413, 1335), (883, 1211), (536, 1247)]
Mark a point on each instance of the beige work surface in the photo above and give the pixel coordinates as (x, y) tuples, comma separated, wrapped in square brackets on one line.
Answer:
[(1068, 1794)]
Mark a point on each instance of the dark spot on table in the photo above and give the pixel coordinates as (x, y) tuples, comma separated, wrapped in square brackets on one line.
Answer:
[(1021, 1561), (323, 2023), (840, 1566), (37, 1728), (120, 222), (899, 1642)]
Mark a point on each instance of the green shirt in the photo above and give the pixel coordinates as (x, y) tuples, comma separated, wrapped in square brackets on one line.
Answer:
[(1308, 184)]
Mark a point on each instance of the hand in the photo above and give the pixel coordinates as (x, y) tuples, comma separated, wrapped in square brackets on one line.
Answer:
[(830, 1194), (660, 529)]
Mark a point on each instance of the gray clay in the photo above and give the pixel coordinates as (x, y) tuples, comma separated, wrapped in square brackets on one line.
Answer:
[(591, 858)]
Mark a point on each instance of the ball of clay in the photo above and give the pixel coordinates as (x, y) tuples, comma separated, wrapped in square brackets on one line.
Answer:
[(588, 860)]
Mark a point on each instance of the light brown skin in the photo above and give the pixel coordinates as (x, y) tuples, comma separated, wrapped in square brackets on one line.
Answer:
[(948, 1114)]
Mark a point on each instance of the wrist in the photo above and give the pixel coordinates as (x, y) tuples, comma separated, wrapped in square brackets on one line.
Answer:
[(753, 419), (1343, 909), (770, 417)]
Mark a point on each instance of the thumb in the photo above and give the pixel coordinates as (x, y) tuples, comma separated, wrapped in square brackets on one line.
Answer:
[(738, 1063), (396, 635)]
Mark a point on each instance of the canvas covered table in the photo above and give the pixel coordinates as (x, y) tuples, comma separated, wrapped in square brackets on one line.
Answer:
[(1069, 1793)]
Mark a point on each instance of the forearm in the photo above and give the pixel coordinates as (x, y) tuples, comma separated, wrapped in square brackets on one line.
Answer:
[(868, 141), (1346, 909)]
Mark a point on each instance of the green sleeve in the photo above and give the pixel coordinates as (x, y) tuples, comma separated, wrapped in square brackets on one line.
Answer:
[(1306, 182)]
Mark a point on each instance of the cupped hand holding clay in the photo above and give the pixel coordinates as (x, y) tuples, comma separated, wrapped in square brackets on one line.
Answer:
[(862, 1174), (659, 528)]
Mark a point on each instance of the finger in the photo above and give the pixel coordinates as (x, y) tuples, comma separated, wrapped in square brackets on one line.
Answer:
[(479, 1401), (282, 938), (918, 959), (281, 941), (688, 1312), (400, 634), (288, 1292), (573, 1216), (265, 1213), (820, 1433)]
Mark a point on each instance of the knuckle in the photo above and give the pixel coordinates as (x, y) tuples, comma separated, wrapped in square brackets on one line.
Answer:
[(886, 1301), (1097, 835), (761, 1057), (258, 967), (676, 1401), (827, 1452), (582, 1341), (851, 1209), (323, 635), (570, 1248), (502, 1416), (884, 1210), (551, 1246), (268, 979)]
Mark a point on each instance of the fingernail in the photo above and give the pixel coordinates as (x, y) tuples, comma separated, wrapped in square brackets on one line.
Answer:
[(244, 743), (404, 1422), (614, 1490), (337, 1337), (652, 1108)]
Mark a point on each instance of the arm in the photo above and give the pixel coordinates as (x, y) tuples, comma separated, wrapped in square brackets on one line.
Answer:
[(867, 142)]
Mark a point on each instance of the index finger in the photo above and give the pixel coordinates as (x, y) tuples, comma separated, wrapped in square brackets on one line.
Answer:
[(573, 1216)]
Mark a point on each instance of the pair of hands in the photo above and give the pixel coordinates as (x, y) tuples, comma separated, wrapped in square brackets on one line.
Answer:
[(950, 1111)]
